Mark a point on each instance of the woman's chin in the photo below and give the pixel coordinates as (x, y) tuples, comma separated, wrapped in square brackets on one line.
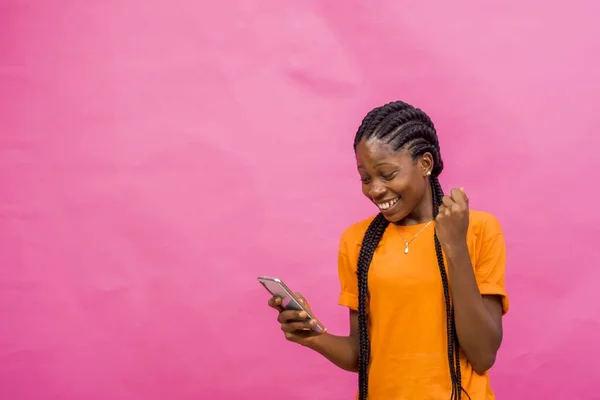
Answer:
[(393, 216)]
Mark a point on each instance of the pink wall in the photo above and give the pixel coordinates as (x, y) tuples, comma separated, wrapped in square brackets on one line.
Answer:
[(140, 194)]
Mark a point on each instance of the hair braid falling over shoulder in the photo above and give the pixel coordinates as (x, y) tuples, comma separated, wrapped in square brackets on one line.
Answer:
[(402, 126), (371, 240)]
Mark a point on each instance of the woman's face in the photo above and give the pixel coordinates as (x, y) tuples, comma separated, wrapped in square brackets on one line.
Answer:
[(395, 182)]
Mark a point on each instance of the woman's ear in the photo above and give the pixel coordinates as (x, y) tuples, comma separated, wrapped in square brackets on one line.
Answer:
[(425, 164)]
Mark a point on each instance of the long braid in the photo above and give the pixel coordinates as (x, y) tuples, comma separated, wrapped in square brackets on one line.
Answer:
[(370, 241), (402, 126), (437, 195)]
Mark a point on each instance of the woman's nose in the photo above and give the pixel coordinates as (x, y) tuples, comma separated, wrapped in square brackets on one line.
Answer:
[(377, 190)]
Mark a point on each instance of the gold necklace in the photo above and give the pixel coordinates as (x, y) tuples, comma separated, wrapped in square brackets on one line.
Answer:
[(414, 237)]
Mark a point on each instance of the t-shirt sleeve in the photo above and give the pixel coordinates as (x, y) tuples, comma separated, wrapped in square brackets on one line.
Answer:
[(347, 276), (491, 264)]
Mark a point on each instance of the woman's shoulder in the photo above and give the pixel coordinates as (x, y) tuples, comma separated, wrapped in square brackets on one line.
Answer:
[(355, 232), (481, 223), (484, 223)]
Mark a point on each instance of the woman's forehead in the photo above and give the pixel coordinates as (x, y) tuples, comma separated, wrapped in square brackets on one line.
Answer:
[(375, 151)]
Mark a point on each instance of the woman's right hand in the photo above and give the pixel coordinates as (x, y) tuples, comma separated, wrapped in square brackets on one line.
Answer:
[(295, 325)]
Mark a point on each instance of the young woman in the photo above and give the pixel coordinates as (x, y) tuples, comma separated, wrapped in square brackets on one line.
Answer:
[(423, 279)]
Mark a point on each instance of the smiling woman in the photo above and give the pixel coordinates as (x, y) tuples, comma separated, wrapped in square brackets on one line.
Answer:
[(423, 279), (391, 180)]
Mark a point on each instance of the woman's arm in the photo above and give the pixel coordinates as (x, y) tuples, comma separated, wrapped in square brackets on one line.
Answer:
[(478, 318), (340, 350)]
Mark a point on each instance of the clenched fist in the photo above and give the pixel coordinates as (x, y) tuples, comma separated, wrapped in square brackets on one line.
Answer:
[(452, 221)]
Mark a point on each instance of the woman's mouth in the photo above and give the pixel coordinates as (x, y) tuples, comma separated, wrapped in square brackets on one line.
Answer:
[(388, 204)]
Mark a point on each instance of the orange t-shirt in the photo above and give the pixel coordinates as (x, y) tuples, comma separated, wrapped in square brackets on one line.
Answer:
[(409, 353)]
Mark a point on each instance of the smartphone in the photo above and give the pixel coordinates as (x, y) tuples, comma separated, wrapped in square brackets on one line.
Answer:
[(289, 301)]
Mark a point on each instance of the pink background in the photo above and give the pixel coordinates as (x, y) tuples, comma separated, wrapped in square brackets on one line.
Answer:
[(156, 157)]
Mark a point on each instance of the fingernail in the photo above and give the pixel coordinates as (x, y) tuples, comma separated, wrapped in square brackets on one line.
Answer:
[(302, 314), (313, 322), (277, 300)]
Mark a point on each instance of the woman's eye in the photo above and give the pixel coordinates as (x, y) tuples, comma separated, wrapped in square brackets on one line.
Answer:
[(388, 177), (365, 180)]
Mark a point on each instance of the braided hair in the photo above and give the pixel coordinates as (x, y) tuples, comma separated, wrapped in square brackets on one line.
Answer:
[(403, 127)]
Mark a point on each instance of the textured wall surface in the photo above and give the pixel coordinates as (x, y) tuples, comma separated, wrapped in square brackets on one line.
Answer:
[(155, 157)]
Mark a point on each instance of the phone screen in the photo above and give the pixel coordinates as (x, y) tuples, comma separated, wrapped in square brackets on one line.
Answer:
[(288, 300), (277, 289)]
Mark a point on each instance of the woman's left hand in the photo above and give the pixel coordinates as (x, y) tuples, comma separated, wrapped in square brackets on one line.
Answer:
[(452, 221)]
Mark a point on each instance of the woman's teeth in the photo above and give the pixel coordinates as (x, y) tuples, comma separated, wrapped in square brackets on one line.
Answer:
[(387, 204)]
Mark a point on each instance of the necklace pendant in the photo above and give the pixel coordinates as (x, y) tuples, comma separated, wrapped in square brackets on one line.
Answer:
[(406, 249)]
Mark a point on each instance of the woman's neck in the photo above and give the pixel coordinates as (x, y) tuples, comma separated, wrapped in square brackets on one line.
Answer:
[(422, 214), (413, 220)]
